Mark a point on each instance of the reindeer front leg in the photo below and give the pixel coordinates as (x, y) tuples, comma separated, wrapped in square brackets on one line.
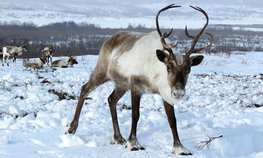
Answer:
[(14, 59), (133, 143), (178, 148), (5, 59), (50, 59)]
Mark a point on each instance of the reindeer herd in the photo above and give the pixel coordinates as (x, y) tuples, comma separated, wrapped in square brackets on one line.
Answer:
[(138, 62), (45, 58)]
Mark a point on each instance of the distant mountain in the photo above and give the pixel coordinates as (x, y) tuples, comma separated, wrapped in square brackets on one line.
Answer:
[(117, 13)]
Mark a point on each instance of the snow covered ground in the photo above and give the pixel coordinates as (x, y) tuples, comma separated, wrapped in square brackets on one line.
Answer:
[(224, 96)]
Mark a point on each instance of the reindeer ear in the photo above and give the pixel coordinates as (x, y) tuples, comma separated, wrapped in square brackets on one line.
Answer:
[(196, 60), (161, 55)]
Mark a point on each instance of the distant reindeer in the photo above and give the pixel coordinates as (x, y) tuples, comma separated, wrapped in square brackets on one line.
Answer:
[(47, 53), (143, 63), (12, 51), (64, 63), (34, 65)]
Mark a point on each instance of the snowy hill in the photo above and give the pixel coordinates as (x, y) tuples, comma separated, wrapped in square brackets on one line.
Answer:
[(116, 13), (224, 97)]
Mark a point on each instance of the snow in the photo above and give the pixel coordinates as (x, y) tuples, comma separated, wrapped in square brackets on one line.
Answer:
[(248, 29), (222, 98)]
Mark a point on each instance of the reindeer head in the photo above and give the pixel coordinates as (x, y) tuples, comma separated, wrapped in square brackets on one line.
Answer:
[(72, 61), (24, 48), (178, 70), (48, 51), (51, 50)]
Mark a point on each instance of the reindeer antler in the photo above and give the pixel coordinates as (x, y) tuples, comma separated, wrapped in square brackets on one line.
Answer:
[(165, 35), (196, 37)]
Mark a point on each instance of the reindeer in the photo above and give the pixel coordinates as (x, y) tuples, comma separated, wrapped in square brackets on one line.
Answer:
[(143, 63), (47, 53), (34, 65), (12, 51), (64, 63)]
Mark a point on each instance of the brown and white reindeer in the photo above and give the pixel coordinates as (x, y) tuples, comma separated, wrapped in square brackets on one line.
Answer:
[(64, 63), (12, 51), (47, 53), (142, 63), (34, 65)]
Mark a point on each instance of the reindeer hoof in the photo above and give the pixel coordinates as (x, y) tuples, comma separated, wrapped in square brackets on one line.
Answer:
[(134, 145), (136, 149), (118, 140), (186, 154), (180, 150), (70, 132), (72, 128)]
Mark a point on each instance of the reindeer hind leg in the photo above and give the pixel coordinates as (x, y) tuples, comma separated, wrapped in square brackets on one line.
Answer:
[(96, 79), (112, 100)]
